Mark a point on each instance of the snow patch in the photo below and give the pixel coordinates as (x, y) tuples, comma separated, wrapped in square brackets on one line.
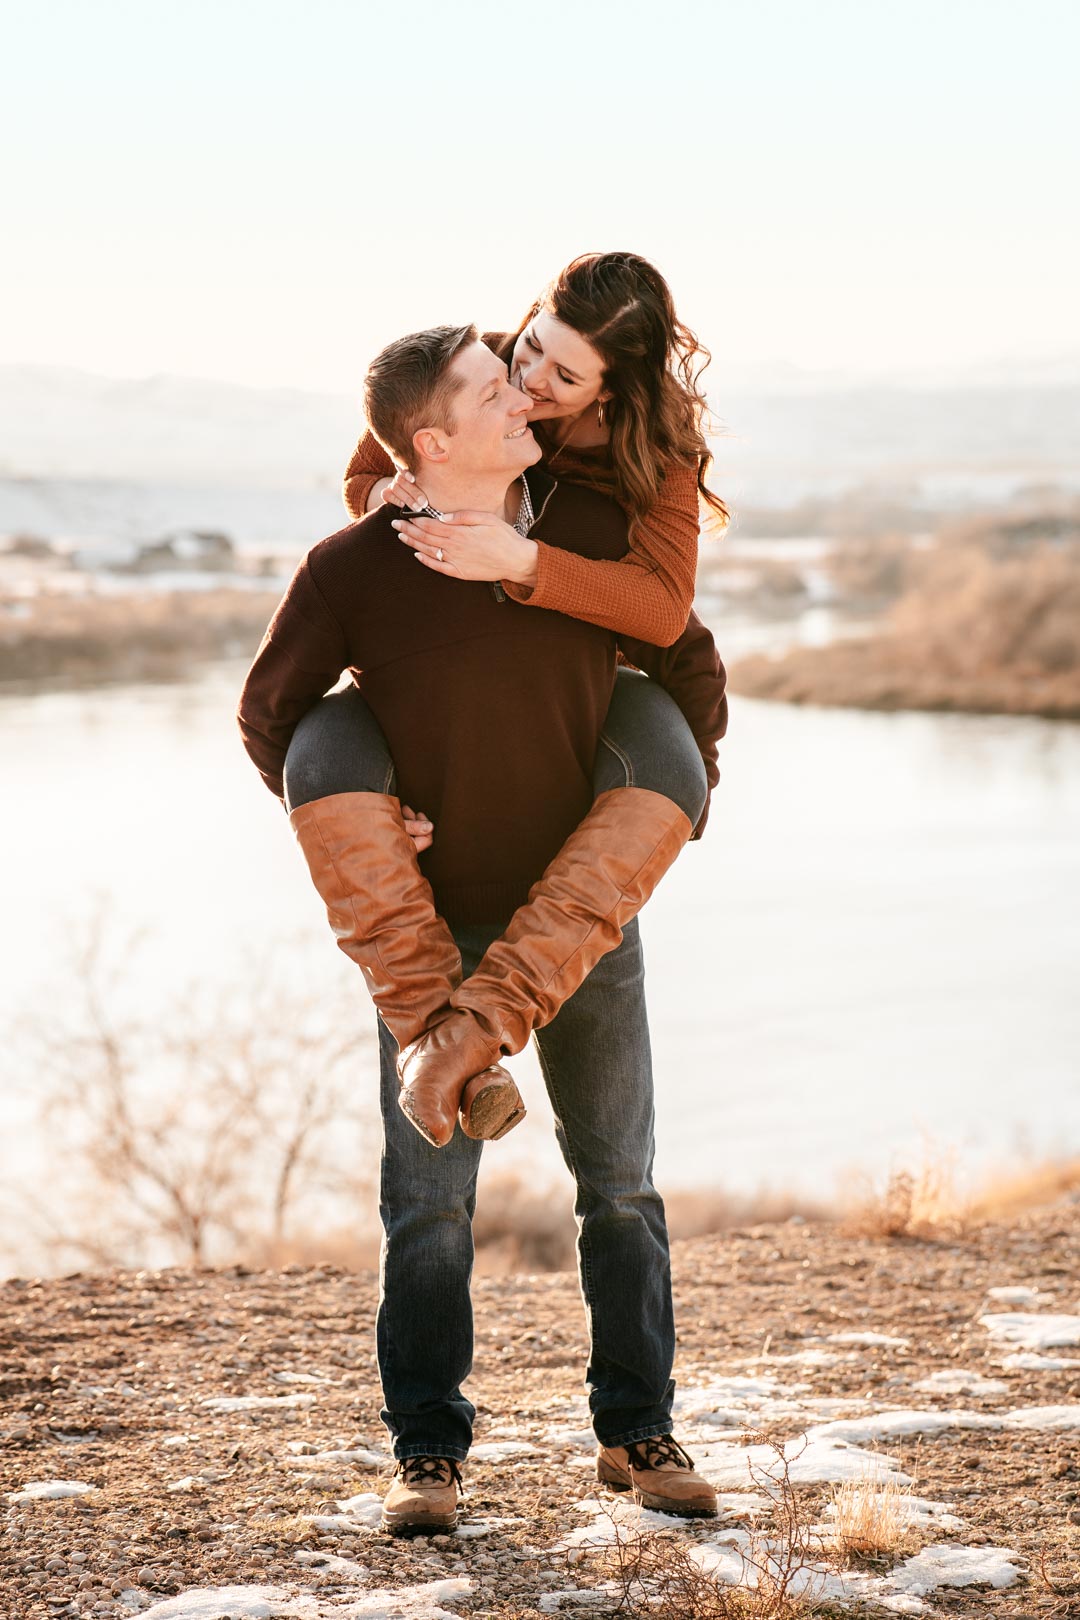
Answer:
[(40, 1490), (365, 1509), (331, 1564), (955, 1566), (1031, 1361), (1053, 1418), (612, 1519), (191, 1482), (501, 1450), (819, 1459), (1031, 1330), (406, 1602), (961, 1381), (578, 1596), (482, 1527), (799, 1358), (233, 1603), (881, 1425), (249, 1403), (317, 1459), (867, 1338), (1018, 1296)]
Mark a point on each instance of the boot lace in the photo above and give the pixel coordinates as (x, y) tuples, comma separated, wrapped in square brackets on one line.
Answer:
[(429, 1471), (662, 1451)]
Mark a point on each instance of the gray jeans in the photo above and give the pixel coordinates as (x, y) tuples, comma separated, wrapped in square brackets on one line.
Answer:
[(338, 747)]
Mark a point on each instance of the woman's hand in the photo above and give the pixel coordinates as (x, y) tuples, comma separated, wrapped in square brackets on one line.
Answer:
[(401, 490), (470, 545), (418, 827)]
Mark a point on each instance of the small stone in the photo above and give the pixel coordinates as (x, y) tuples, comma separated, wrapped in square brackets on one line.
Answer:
[(146, 1576), (1030, 1504), (78, 1557)]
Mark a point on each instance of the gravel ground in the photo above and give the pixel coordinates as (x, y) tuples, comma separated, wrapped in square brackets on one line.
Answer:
[(105, 1380)]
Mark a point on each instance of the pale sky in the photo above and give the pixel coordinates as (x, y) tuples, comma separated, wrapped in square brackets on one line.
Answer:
[(267, 191)]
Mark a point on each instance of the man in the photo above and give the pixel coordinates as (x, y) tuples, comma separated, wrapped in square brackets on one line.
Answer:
[(493, 712)]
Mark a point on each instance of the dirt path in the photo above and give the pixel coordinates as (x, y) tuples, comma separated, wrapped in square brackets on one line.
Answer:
[(104, 1381)]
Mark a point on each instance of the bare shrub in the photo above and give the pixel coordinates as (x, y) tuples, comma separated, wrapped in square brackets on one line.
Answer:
[(660, 1576), (196, 1132), (871, 574), (982, 628), (158, 635)]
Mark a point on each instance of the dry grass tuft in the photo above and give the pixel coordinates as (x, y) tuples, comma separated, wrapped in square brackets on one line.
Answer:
[(871, 1519), (1007, 1193), (923, 1203), (929, 1203)]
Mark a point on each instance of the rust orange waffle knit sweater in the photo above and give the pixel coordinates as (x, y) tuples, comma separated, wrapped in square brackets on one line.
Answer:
[(648, 594)]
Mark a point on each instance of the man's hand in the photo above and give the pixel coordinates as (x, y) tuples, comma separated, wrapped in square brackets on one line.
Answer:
[(470, 545), (418, 827)]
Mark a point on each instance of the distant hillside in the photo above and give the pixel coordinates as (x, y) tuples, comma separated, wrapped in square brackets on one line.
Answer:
[(83, 455)]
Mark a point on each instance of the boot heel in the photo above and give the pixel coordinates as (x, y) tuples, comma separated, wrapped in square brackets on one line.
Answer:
[(490, 1106)]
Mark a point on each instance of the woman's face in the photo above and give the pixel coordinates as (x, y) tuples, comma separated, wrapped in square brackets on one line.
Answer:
[(557, 368)]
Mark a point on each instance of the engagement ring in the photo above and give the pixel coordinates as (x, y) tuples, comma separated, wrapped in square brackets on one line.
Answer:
[(439, 554)]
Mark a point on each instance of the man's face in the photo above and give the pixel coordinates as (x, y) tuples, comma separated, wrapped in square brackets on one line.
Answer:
[(491, 432)]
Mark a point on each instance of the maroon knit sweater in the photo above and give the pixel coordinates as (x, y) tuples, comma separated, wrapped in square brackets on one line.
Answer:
[(492, 710)]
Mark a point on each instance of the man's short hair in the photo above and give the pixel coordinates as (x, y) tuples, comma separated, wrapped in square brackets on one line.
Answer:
[(408, 386)]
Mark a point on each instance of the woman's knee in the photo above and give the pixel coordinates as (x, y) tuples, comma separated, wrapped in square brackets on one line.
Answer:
[(647, 743), (338, 747)]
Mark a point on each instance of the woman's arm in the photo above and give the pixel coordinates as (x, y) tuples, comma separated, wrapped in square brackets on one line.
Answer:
[(370, 464), (648, 594)]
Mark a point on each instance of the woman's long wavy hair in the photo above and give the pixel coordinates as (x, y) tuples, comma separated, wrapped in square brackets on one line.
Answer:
[(622, 305)]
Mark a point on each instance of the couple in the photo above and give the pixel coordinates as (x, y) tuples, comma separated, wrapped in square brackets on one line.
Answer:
[(557, 469)]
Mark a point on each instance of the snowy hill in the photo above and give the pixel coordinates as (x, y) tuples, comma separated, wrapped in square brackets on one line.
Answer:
[(84, 456)]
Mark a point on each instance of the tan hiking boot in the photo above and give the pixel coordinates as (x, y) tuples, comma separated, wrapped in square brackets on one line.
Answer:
[(423, 1499), (661, 1476)]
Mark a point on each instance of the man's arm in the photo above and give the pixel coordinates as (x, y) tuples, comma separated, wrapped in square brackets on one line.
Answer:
[(299, 659), (690, 669)]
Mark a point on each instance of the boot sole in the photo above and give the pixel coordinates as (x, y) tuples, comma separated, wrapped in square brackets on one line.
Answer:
[(659, 1504), (436, 1526), (495, 1110)]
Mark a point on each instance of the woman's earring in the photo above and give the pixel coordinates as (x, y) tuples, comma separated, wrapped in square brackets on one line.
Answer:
[(600, 413)]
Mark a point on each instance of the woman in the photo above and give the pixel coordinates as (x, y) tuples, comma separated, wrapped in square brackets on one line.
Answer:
[(613, 374), (615, 377)]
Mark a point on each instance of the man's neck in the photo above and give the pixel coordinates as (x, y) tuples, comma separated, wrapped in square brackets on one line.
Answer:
[(447, 494)]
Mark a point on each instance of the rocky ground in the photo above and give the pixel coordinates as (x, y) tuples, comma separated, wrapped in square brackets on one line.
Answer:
[(116, 1382)]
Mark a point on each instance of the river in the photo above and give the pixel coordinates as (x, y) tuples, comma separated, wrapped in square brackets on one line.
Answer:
[(874, 946)]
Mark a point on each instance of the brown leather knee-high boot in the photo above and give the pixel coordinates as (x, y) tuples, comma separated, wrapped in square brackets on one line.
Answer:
[(574, 915), (380, 906)]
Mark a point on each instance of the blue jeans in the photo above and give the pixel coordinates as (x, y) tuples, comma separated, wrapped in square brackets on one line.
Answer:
[(597, 1065)]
